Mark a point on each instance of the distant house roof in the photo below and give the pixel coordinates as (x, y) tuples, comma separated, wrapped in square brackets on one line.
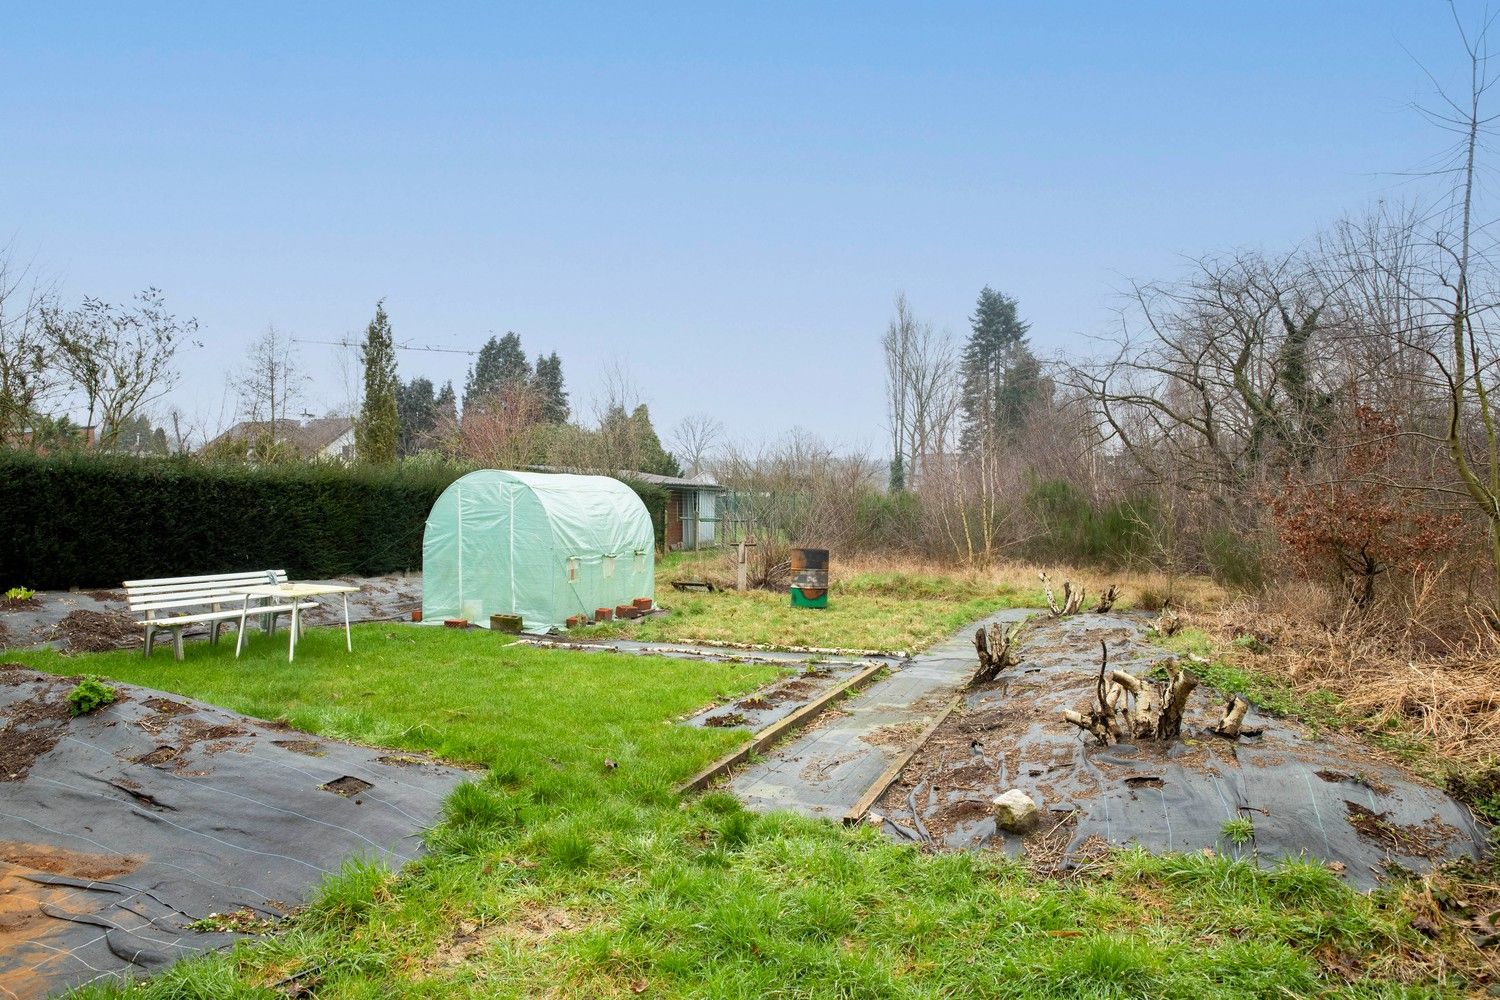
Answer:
[(699, 483), (310, 438)]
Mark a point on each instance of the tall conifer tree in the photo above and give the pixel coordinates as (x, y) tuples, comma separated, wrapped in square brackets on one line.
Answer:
[(548, 383), (379, 425), (1002, 378), (501, 362)]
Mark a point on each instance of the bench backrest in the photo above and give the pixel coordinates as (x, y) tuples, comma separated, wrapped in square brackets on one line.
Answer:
[(177, 592)]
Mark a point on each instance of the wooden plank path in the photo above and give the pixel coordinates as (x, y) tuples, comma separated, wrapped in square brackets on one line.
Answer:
[(831, 769)]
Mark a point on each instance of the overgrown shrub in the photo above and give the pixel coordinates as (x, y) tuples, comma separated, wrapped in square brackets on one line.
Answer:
[(886, 522), (1234, 557), (1069, 527)]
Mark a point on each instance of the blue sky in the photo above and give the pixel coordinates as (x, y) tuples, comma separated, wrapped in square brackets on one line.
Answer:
[(724, 198)]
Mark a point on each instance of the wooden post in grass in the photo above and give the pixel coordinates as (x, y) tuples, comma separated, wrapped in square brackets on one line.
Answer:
[(742, 564)]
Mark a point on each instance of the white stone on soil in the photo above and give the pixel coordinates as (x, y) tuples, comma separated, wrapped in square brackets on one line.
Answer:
[(1015, 811)]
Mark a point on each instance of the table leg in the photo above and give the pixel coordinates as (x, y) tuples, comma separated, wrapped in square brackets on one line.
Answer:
[(291, 645), (348, 640), (239, 636)]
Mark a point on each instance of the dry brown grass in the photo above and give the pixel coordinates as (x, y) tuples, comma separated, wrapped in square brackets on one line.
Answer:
[(1421, 663), (1139, 588)]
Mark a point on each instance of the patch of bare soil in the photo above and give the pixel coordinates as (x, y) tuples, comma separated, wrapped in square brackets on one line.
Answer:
[(962, 811), (179, 735), (156, 758), (32, 728), (213, 738), (404, 760), (24, 922), (166, 706), (98, 631), (793, 690), (311, 748), (58, 861), (1428, 840), (726, 720), (753, 704), (897, 734), (533, 926), (104, 596), (1373, 784), (348, 786)]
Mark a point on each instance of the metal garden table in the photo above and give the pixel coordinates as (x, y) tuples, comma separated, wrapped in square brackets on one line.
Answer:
[(295, 593)]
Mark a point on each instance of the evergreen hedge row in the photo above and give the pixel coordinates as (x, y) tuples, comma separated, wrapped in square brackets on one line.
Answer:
[(655, 498), (93, 521)]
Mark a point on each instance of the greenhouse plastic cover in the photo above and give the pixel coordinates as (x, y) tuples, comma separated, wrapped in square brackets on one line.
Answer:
[(545, 546)]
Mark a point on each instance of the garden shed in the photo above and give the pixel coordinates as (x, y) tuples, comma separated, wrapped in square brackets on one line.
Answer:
[(545, 546)]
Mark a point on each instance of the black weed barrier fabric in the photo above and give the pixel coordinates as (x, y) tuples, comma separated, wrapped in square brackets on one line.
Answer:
[(120, 829), (1295, 793)]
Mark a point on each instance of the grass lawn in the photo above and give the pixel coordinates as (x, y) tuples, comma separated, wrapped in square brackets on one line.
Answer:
[(555, 876), (868, 611)]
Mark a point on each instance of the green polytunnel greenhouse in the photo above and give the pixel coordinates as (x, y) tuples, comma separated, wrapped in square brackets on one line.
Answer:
[(545, 546)]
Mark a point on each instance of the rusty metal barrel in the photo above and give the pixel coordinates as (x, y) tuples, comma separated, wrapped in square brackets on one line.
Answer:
[(809, 578)]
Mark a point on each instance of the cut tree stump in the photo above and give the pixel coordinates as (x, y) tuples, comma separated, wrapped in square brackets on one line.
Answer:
[(1231, 724), (1151, 711), (997, 648), (1071, 602), (1107, 602)]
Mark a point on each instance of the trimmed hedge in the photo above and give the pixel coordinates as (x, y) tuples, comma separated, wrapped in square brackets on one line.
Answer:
[(94, 521), (655, 498)]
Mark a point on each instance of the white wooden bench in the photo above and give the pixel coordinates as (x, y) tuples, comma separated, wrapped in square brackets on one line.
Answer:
[(175, 603)]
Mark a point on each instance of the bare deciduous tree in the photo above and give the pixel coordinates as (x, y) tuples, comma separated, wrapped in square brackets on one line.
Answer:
[(29, 376), (922, 394), (271, 381), (693, 440), (503, 433), (795, 491), (1212, 375), (1470, 367), (120, 358)]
